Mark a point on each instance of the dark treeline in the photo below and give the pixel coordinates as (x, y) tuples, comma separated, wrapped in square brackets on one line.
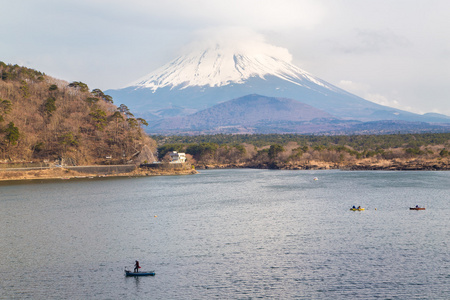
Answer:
[(357, 142)]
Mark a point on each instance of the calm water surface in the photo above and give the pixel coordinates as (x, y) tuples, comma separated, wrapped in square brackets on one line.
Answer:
[(229, 234)]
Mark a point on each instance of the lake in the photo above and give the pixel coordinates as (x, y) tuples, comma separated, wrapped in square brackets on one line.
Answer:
[(228, 234)]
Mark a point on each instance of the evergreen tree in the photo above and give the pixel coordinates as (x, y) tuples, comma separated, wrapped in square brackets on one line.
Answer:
[(12, 134)]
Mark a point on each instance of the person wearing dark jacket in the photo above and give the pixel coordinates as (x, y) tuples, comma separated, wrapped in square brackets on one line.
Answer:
[(136, 267)]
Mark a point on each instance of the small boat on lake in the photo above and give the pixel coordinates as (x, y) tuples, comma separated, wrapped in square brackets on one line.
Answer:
[(148, 273), (359, 208), (417, 208)]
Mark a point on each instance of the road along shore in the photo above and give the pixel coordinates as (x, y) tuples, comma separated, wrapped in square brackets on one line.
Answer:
[(68, 172)]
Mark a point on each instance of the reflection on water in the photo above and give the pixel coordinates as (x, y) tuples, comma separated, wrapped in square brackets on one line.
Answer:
[(228, 234)]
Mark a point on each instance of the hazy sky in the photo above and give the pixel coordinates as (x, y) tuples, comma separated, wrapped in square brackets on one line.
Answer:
[(393, 52)]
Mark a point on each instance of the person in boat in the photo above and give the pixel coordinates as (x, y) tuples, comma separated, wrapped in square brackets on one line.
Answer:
[(354, 207), (136, 267), (417, 206), (359, 207)]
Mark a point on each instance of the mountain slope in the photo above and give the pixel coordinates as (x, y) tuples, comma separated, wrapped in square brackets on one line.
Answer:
[(220, 66), (262, 114), (205, 78), (248, 114), (43, 119)]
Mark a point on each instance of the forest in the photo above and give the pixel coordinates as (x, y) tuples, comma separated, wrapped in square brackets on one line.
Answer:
[(290, 151), (43, 119)]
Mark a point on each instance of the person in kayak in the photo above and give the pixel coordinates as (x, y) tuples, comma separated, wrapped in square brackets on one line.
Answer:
[(136, 267)]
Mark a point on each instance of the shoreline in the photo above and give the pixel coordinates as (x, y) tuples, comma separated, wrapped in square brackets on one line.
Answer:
[(64, 174), (61, 173), (383, 165)]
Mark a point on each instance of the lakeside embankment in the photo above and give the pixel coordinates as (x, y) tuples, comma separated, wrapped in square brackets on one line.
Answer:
[(68, 172)]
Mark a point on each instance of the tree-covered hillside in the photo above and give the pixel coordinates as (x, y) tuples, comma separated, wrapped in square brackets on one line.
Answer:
[(46, 119)]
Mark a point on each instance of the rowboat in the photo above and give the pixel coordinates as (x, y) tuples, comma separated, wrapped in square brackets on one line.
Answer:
[(357, 209), (417, 208), (149, 273)]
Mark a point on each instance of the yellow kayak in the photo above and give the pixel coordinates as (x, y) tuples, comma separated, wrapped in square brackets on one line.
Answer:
[(357, 209)]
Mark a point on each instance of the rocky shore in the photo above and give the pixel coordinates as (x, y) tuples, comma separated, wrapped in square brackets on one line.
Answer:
[(360, 165)]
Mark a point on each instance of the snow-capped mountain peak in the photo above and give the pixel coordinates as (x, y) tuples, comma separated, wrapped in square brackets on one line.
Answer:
[(226, 70), (219, 66)]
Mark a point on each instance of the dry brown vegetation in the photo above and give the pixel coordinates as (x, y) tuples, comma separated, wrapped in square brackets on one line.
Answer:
[(46, 119), (299, 158), (392, 159), (396, 152)]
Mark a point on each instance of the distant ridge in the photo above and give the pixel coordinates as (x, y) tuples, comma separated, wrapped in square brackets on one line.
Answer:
[(261, 114), (248, 114)]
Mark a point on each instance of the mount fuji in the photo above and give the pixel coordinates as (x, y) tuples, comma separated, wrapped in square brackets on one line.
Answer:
[(203, 79)]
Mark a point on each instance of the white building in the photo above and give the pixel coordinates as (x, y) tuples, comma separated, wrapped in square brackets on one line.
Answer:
[(177, 158)]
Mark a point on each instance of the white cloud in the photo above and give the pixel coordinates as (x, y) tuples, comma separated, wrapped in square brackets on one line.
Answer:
[(401, 48), (366, 91), (369, 41), (240, 39), (256, 14)]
